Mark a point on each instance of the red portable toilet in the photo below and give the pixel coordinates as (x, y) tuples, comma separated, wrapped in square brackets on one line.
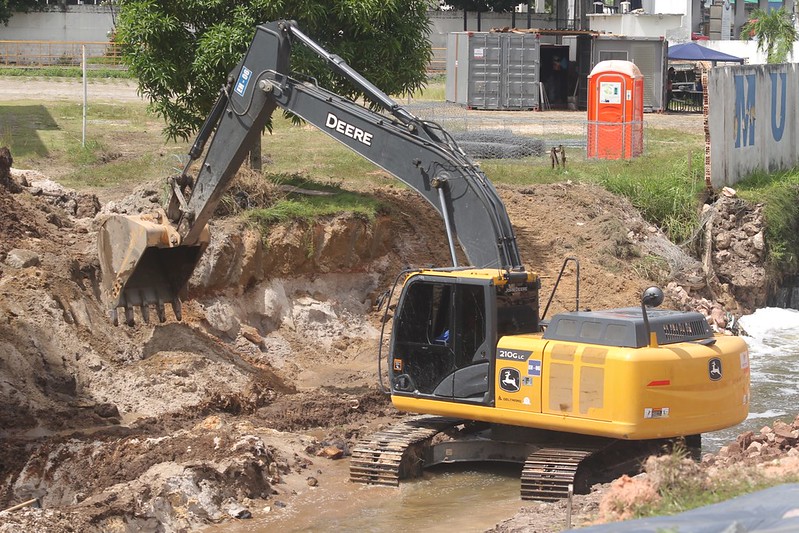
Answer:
[(615, 110)]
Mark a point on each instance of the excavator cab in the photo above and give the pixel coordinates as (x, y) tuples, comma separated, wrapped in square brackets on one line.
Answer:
[(446, 330)]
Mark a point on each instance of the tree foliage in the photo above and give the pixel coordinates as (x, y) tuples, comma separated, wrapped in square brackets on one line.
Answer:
[(774, 31), (181, 51), (9, 7)]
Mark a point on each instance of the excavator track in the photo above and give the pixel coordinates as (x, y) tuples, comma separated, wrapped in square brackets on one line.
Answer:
[(548, 472), (395, 452)]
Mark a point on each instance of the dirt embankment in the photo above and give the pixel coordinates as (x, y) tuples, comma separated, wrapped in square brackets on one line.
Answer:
[(187, 423)]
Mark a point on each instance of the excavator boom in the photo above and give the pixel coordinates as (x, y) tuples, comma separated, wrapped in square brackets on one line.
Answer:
[(148, 260)]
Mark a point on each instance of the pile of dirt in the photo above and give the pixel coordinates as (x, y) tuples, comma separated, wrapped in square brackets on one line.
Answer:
[(181, 424)]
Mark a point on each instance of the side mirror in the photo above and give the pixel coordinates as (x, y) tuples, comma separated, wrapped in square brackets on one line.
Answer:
[(652, 297)]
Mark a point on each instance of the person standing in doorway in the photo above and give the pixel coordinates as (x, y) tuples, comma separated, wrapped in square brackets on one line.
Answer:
[(669, 86)]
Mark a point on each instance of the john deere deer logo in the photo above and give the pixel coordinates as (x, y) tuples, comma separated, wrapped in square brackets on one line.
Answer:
[(509, 379), (714, 369)]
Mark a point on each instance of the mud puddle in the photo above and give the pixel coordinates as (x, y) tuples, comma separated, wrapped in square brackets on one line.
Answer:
[(461, 498)]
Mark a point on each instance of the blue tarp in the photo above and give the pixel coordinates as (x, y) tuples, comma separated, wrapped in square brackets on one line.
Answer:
[(695, 52), (773, 510)]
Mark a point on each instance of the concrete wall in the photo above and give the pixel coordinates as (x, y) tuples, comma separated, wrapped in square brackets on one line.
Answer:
[(73, 23), (753, 120), (634, 25)]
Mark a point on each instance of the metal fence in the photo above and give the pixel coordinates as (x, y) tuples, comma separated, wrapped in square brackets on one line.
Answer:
[(505, 135), (36, 54), (438, 63), (32, 54)]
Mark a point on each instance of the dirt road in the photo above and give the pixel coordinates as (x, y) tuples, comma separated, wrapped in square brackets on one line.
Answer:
[(125, 90)]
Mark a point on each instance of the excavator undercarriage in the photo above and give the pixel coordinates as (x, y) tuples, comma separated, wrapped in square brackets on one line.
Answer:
[(552, 463)]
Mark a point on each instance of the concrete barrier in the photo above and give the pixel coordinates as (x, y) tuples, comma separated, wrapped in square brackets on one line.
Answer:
[(752, 121)]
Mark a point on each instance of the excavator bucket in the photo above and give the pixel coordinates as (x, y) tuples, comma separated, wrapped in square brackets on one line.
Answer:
[(144, 264)]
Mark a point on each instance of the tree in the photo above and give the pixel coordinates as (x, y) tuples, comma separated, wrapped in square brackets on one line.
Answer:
[(181, 51), (774, 31), (9, 7)]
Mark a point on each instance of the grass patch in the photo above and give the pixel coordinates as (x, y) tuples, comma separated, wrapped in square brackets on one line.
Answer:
[(292, 204), (434, 90), (667, 191), (780, 195), (93, 72), (123, 143), (304, 150)]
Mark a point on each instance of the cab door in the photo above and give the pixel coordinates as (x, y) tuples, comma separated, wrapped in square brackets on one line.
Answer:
[(441, 342)]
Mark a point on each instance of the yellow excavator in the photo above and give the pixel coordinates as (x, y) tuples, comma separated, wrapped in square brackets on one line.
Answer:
[(577, 398)]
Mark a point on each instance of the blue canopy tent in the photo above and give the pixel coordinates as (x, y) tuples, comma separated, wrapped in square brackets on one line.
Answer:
[(695, 52)]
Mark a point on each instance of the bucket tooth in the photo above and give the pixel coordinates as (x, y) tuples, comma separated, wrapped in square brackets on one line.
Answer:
[(114, 316), (178, 309), (159, 308), (129, 318), (145, 313)]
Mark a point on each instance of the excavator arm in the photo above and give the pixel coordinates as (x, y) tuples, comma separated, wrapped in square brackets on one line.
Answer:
[(148, 260)]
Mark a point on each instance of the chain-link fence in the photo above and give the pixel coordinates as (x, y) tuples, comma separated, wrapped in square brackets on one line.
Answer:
[(32, 54), (504, 134), (615, 140)]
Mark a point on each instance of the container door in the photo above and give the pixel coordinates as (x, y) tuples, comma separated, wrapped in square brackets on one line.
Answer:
[(485, 71), (521, 71), (647, 60)]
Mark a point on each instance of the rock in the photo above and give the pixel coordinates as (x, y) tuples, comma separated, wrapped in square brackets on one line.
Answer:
[(750, 228), (237, 511), (19, 258), (722, 240), (754, 448), (718, 316), (5, 171), (759, 241), (106, 410), (213, 422), (331, 452), (221, 318), (252, 335), (312, 481)]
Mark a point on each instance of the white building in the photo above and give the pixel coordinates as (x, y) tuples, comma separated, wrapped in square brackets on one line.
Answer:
[(679, 20)]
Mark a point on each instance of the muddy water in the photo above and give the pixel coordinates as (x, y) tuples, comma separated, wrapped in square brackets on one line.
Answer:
[(450, 499), (773, 339)]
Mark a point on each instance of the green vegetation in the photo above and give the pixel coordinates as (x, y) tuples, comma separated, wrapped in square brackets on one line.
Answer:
[(123, 143), (774, 31), (182, 52), (93, 72), (298, 203), (666, 191), (780, 195)]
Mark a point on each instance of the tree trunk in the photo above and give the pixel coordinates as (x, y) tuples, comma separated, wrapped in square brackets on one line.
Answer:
[(256, 162)]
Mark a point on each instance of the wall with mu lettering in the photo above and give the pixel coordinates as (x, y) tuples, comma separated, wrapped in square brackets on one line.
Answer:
[(753, 120)]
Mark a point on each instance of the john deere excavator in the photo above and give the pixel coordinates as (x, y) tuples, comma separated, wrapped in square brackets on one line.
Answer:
[(574, 398)]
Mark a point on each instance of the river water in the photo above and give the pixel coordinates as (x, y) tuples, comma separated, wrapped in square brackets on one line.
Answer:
[(467, 499), (773, 338)]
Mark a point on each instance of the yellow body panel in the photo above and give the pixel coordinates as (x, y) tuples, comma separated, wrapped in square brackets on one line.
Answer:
[(616, 392)]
